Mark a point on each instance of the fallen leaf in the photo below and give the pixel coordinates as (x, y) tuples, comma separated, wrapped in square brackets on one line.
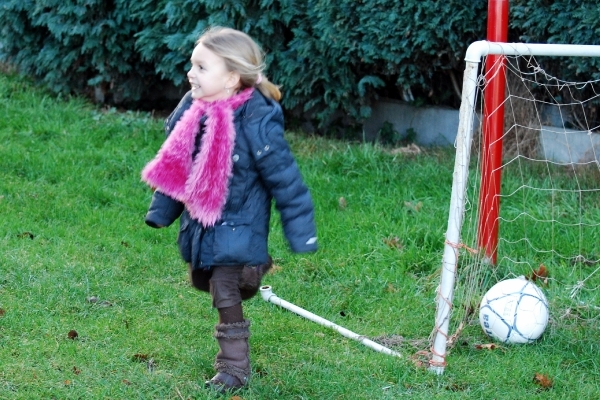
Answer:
[(542, 380), (541, 273), (457, 387), (2, 312), (72, 334), (145, 358), (124, 244), (414, 207), (342, 203), (421, 359), (67, 382), (393, 242), (391, 289), (139, 357), (96, 300), (126, 382), (76, 371), (488, 346), (25, 235)]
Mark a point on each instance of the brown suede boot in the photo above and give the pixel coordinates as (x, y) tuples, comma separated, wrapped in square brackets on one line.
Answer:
[(232, 362)]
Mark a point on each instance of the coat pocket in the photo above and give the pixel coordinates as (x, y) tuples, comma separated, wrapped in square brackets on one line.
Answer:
[(233, 243)]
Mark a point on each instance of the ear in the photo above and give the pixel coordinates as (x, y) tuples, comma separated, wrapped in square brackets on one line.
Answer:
[(234, 80)]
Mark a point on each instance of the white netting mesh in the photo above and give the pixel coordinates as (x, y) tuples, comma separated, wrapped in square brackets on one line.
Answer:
[(549, 213)]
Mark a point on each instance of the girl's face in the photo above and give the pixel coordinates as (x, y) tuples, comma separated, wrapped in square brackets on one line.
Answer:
[(209, 76)]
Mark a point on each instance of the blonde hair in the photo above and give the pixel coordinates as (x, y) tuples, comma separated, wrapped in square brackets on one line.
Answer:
[(242, 55)]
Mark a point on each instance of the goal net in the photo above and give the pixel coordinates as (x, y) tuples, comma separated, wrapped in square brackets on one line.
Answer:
[(545, 212)]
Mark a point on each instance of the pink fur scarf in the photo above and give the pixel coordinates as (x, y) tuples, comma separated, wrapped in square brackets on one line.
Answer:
[(201, 184)]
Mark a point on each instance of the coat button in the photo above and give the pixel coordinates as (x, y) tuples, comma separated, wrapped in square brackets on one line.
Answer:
[(258, 153), (236, 157), (266, 147)]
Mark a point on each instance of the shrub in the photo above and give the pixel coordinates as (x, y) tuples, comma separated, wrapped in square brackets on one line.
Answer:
[(572, 22), (343, 55), (333, 59), (77, 47)]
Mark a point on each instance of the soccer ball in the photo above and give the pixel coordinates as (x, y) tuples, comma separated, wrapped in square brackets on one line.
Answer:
[(514, 311)]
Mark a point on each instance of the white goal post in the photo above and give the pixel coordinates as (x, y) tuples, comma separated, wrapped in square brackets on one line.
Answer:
[(453, 245)]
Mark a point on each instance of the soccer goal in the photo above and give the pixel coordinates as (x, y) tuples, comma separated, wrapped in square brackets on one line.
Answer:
[(525, 202)]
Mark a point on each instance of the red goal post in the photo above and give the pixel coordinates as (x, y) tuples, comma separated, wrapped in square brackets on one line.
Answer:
[(486, 240)]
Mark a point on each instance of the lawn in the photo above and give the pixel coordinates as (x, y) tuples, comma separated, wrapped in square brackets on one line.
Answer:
[(96, 305)]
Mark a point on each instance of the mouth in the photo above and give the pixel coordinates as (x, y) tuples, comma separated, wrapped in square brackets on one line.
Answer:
[(194, 86)]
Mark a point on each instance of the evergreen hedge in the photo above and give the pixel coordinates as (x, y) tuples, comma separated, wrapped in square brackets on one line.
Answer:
[(333, 59)]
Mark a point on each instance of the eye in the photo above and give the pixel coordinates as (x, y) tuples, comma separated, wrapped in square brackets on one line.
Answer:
[(196, 66)]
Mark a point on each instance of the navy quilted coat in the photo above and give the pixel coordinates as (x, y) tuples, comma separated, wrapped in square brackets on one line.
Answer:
[(263, 169)]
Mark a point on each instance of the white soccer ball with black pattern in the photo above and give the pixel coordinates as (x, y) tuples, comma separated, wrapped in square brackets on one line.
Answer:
[(514, 311)]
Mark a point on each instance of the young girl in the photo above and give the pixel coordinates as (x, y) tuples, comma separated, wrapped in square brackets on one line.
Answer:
[(222, 163)]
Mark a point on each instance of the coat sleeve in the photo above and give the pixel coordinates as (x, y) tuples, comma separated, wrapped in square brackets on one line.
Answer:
[(281, 175), (163, 210)]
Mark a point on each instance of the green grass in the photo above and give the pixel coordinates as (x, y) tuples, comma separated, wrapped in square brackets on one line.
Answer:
[(71, 228)]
